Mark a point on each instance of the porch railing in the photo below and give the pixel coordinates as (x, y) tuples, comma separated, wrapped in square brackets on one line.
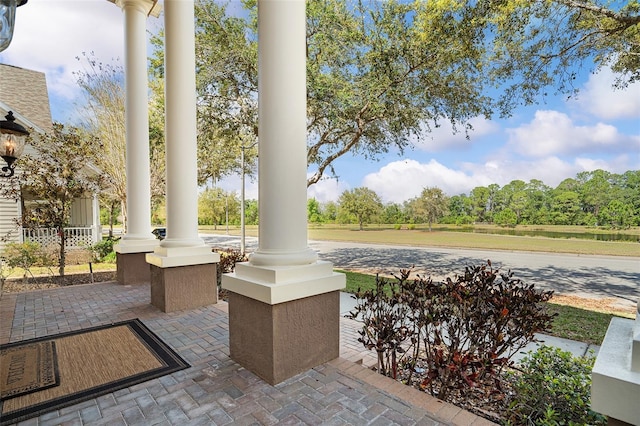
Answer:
[(75, 237)]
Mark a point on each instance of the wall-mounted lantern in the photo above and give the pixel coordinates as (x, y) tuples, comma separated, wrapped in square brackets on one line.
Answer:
[(12, 140), (7, 20)]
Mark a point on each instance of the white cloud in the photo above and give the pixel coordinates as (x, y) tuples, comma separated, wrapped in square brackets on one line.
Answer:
[(327, 189), (50, 34), (553, 132), (599, 98), (399, 181), (402, 180), (443, 138)]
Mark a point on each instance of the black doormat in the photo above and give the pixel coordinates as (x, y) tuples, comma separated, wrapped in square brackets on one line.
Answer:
[(93, 362)]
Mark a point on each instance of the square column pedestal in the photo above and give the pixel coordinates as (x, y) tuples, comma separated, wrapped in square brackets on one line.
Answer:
[(615, 378), (131, 265), (183, 278), (283, 320)]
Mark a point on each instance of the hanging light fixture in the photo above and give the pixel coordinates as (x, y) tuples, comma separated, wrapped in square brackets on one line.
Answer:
[(7, 20), (12, 140)]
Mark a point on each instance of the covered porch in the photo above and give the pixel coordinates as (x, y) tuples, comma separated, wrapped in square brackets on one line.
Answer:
[(216, 389)]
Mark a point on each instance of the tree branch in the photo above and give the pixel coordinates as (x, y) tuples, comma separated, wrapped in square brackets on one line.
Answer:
[(626, 19)]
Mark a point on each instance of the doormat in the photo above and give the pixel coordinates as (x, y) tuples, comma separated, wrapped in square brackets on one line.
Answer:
[(93, 362), (28, 368)]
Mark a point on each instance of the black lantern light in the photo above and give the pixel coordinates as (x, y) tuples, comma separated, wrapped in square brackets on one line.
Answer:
[(7, 20), (12, 140)]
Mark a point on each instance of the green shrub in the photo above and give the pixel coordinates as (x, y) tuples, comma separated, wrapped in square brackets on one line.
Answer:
[(109, 258), (397, 226), (411, 226), (103, 249), (552, 388), (26, 256)]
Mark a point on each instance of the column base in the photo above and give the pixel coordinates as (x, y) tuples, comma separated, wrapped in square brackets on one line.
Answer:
[(615, 387), (183, 287), (283, 320), (277, 342), (132, 269)]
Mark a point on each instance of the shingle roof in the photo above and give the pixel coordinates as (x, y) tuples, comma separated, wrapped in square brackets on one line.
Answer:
[(25, 92)]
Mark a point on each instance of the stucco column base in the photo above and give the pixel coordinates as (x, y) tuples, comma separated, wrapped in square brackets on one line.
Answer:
[(183, 287), (283, 320), (131, 265), (132, 268), (277, 342)]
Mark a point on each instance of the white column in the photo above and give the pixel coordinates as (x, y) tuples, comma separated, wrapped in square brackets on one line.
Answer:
[(138, 237), (282, 130), (283, 268), (182, 246)]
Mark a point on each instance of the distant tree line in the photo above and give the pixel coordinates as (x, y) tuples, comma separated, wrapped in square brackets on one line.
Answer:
[(595, 198)]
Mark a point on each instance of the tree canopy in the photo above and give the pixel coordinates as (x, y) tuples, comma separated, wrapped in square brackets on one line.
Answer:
[(382, 75), (103, 115), (361, 203), (595, 198), (544, 42), (430, 205)]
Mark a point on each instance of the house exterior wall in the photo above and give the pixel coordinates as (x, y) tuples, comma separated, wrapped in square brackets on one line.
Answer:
[(9, 231), (82, 212)]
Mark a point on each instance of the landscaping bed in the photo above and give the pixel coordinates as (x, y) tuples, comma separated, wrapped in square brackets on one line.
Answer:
[(17, 285)]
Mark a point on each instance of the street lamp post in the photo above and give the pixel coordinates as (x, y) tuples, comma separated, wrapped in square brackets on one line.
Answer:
[(242, 224)]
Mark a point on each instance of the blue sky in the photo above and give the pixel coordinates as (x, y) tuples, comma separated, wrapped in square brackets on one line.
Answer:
[(550, 141)]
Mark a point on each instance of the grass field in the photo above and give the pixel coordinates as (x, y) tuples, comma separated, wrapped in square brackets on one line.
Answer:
[(452, 239), (421, 237)]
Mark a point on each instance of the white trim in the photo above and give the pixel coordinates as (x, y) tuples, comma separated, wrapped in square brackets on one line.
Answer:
[(280, 284), (170, 257)]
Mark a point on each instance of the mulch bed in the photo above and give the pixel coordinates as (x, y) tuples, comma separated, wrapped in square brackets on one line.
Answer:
[(16, 285)]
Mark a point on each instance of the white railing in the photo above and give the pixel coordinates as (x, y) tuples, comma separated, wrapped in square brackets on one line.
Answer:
[(75, 237)]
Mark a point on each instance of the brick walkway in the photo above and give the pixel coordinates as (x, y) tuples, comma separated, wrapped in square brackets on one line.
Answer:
[(216, 390)]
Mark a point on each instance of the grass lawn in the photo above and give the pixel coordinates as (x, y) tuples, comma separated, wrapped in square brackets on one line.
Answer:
[(579, 324), (571, 323), (438, 237)]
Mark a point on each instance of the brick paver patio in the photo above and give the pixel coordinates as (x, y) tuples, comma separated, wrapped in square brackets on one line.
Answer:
[(216, 390)]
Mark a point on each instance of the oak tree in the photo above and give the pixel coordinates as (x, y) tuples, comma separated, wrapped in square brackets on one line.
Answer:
[(361, 203)]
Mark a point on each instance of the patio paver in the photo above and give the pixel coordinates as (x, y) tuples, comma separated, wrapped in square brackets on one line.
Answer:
[(215, 389)]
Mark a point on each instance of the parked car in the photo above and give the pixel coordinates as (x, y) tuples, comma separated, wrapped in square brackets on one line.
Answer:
[(160, 233)]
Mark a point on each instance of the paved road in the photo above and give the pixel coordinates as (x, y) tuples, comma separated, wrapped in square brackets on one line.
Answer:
[(589, 276)]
